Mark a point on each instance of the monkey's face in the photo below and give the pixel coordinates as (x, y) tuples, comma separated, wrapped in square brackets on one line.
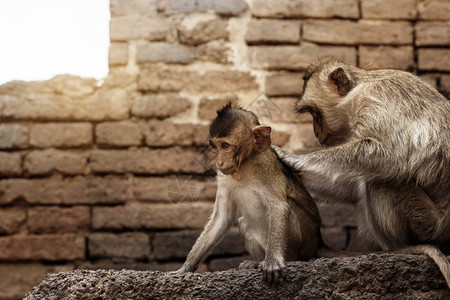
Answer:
[(226, 153), (324, 89)]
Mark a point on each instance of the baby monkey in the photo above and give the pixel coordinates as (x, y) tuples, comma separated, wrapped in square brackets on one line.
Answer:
[(277, 217)]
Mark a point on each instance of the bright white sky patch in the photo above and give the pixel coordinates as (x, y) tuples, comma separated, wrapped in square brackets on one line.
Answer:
[(42, 38)]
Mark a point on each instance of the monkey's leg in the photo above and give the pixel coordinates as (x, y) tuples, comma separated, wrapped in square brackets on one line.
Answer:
[(253, 247)]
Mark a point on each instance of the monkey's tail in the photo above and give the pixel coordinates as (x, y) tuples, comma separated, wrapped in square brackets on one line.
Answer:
[(435, 254)]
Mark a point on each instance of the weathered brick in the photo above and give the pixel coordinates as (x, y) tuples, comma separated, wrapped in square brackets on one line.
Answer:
[(158, 78), (152, 216), (13, 136), (272, 31), (61, 135), (11, 218), (431, 79), (214, 51), (306, 8), (343, 215), (303, 138), (222, 264), (42, 162), (123, 133), (42, 247), (103, 105), (175, 189), (131, 27), (164, 52), (161, 161), (69, 85), (133, 7), (176, 245), (118, 54), (434, 9), (58, 219), (387, 9), (171, 7), (434, 59), (195, 31), (445, 84), (88, 190), (19, 278), (284, 84), (433, 33), (280, 138), (296, 57), (335, 238), (287, 112), (159, 106), (10, 164), (230, 7), (119, 78), (379, 57), (355, 33), (166, 133), (209, 105), (126, 245)]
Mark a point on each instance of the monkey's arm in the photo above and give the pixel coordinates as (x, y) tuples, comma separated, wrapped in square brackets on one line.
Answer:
[(274, 265), (221, 220), (350, 161)]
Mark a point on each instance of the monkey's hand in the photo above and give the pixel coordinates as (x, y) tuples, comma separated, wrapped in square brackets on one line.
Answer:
[(249, 264), (295, 162), (273, 270), (183, 269)]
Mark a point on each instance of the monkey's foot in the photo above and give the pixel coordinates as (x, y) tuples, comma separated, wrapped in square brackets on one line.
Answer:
[(273, 270), (249, 264)]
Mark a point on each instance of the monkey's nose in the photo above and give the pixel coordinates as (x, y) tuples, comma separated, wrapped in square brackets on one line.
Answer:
[(220, 164)]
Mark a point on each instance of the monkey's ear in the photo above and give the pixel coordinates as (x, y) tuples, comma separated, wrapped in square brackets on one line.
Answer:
[(339, 81), (261, 137)]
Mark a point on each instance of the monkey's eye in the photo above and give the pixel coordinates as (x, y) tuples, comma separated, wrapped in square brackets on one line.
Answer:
[(225, 145), (212, 145)]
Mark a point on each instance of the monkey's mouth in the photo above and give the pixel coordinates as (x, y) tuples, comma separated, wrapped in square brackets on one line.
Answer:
[(227, 171)]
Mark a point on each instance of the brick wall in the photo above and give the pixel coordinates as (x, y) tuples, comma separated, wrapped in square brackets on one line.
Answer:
[(114, 174)]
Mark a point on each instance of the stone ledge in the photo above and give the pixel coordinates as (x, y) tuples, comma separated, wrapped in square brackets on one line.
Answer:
[(374, 276)]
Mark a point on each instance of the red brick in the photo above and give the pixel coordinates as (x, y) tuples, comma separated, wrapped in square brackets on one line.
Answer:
[(306, 8), (356, 33), (125, 245), (47, 161), (19, 278), (11, 219), (296, 57), (61, 135), (386, 57), (152, 216), (387, 9), (42, 247), (58, 219), (144, 161)]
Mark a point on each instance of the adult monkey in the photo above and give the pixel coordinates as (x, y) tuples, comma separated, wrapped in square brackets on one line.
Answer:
[(389, 138)]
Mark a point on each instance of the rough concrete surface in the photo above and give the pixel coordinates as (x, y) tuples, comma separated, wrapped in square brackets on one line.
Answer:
[(373, 276)]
